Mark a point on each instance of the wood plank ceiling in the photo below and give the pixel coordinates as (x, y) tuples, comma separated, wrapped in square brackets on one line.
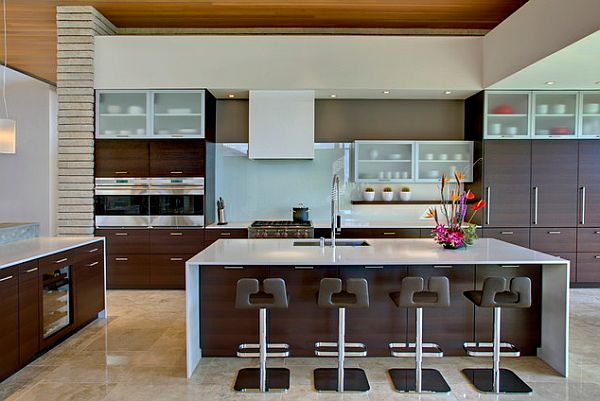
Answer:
[(32, 26)]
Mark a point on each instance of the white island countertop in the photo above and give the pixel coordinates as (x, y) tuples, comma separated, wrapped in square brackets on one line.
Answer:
[(346, 223), (380, 252), (23, 251)]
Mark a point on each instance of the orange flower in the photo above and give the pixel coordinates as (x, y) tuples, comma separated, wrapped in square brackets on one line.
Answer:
[(454, 196), (430, 213), (459, 176), (470, 195), (478, 205), (445, 179)]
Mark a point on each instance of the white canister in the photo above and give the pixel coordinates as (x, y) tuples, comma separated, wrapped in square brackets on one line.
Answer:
[(381, 175), (405, 175), (591, 108), (389, 175), (397, 175), (559, 108)]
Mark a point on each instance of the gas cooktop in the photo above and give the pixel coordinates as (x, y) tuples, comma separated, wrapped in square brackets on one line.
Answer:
[(281, 229), (280, 223)]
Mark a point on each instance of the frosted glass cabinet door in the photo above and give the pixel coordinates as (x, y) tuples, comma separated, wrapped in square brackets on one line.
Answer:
[(121, 114), (179, 114), (507, 115), (554, 114), (437, 158), (590, 114), (384, 161)]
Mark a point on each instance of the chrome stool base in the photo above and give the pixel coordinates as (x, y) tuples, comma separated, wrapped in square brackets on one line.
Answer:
[(432, 381), (326, 379), (248, 380), (483, 380)]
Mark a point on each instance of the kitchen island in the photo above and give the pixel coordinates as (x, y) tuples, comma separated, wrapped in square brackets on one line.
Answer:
[(215, 327)]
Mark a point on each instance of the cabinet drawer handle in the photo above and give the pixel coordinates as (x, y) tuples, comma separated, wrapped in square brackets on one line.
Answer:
[(373, 267), (597, 232), (553, 232), (225, 234), (6, 278), (31, 270), (122, 259), (303, 267), (176, 234), (506, 232), (176, 172), (176, 259), (597, 257), (62, 260), (443, 266), (93, 250), (121, 234), (92, 264), (389, 233), (510, 266), (233, 267), (121, 172)]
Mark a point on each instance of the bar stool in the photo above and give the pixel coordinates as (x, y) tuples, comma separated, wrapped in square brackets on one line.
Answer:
[(498, 293), (414, 295), (331, 295), (249, 296)]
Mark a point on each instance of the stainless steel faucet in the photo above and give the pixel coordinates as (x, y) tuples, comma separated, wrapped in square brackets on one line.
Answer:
[(335, 208)]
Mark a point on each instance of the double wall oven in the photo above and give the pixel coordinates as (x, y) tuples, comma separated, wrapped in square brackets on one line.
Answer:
[(149, 202)]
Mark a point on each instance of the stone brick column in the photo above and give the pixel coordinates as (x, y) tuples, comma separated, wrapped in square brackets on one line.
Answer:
[(76, 28)]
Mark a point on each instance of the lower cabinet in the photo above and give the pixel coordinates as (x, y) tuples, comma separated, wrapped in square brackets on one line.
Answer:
[(588, 267), (88, 289), (520, 327), (9, 321), (168, 271), (128, 271), (517, 236), (29, 312)]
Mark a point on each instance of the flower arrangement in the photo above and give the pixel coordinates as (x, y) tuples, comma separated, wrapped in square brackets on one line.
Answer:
[(454, 231)]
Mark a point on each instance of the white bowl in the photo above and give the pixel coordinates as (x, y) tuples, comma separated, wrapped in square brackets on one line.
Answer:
[(559, 108), (113, 109), (428, 156), (387, 196), (369, 196), (541, 109), (591, 108), (443, 156), (135, 110), (458, 156), (179, 111), (396, 156), (511, 130)]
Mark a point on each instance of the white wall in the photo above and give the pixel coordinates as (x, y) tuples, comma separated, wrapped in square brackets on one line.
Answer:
[(28, 178), (288, 62)]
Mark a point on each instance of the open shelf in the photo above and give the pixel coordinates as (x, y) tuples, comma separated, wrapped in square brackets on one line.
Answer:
[(401, 202), (507, 115)]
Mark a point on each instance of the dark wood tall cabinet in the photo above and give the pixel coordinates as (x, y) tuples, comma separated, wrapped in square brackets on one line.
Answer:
[(9, 321), (589, 184), (554, 165), (507, 183)]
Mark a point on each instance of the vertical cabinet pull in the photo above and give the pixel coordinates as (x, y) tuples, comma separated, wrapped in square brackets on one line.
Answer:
[(582, 206), (488, 195), (535, 205)]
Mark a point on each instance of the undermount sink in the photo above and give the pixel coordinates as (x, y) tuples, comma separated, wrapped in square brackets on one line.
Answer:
[(339, 242)]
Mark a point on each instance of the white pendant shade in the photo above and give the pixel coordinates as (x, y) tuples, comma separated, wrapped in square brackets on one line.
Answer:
[(8, 136)]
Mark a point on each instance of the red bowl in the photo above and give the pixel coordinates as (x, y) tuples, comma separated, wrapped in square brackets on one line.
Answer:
[(503, 109), (561, 131)]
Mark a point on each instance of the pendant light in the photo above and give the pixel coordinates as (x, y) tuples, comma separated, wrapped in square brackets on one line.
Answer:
[(8, 127)]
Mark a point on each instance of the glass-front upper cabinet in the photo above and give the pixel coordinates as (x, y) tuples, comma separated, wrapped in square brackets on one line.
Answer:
[(179, 114), (437, 158), (149, 114), (589, 108), (121, 114), (554, 114), (383, 161), (507, 115)]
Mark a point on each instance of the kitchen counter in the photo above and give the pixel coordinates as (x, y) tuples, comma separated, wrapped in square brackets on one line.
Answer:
[(349, 223), (211, 276), (18, 252), (11, 232)]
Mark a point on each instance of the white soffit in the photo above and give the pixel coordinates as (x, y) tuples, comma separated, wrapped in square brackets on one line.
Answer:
[(534, 32), (574, 67)]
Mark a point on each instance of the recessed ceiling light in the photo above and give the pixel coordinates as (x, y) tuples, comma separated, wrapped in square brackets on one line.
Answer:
[(549, 82), (333, 95), (386, 92), (447, 92), (231, 95)]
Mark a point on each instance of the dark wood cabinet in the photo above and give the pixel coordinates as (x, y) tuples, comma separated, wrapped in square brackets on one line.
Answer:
[(9, 321), (446, 326), (126, 241), (177, 158), (128, 271), (554, 239), (379, 233), (213, 234), (588, 267), (520, 327), (303, 323), (554, 166), (514, 235), (588, 240), (506, 183), (589, 184), (121, 158), (183, 241), (88, 288), (168, 271), (223, 326), (29, 312)]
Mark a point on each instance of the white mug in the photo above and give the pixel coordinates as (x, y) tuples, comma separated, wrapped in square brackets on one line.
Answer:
[(496, 129), (389, 175), (405, 174), (397, 175)]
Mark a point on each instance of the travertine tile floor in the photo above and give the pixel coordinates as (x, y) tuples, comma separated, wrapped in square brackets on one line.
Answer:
[(138, 354)]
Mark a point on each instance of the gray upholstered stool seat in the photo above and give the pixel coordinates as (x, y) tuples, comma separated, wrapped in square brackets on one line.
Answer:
[(414, 294), (498, 293), (249, 296), (332, 295)]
